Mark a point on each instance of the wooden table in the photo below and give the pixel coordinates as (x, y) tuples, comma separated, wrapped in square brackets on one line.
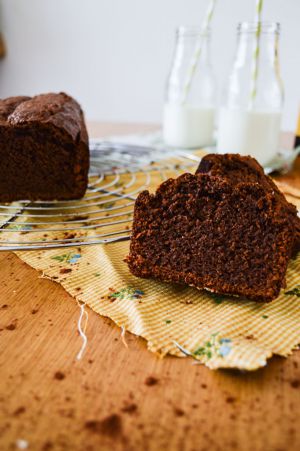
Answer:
[(125, 399)]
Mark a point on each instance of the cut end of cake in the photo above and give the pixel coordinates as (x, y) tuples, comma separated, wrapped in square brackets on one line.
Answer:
[(204, 231)]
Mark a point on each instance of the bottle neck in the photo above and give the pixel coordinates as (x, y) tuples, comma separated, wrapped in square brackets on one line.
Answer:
[(268, 49), (193, 43), (255, 81), (191, 80)]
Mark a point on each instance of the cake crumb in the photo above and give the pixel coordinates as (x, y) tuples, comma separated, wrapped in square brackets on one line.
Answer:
[(295, 383), (179, 412), (129, 408), (65, 270), (111, 426), (59, 375), (150, 381), (19, 411), (11, 326)]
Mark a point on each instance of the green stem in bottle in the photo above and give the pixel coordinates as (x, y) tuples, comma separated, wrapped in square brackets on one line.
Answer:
[(195, 59), (256, 52)]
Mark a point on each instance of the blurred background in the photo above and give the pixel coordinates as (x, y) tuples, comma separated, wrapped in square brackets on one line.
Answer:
[(113, 56)]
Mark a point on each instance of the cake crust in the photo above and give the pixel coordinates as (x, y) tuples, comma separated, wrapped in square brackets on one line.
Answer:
[(235, 168)]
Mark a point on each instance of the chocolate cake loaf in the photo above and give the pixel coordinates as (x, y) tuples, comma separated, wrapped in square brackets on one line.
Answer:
[(44, 153), (203, 231), (239, 169)]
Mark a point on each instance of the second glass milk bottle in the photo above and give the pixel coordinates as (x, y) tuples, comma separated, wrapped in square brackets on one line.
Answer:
[(189, 107), (250, 115)]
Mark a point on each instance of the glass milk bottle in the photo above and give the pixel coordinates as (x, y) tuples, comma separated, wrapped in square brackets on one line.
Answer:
[(250, 115), (189, 108)]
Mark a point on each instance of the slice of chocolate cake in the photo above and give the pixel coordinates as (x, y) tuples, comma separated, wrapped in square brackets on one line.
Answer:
[(239, 169), (44, 153), (202, 231)]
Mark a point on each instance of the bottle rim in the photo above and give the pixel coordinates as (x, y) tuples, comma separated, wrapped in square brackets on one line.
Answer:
[(192, 31), (252, 27)]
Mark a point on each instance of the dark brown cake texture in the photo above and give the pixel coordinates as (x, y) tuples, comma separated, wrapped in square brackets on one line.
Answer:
[(238, 169), (203, 231), (44, 153)]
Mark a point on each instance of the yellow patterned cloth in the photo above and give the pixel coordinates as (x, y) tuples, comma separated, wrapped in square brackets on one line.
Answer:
[(219, 332)]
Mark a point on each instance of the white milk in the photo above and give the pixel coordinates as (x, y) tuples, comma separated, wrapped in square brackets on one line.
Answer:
[(249, 133), (188, 126)]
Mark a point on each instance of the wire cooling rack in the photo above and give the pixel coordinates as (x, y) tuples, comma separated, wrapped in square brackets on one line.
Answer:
[(118, 173)]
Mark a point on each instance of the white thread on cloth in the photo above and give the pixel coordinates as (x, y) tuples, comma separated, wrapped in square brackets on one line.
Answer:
[(182, 349), (44, 276), (22, 444), (82, 330), (123, 336)]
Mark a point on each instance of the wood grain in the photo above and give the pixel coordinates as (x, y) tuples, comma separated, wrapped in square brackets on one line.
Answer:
[(125, 399)]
